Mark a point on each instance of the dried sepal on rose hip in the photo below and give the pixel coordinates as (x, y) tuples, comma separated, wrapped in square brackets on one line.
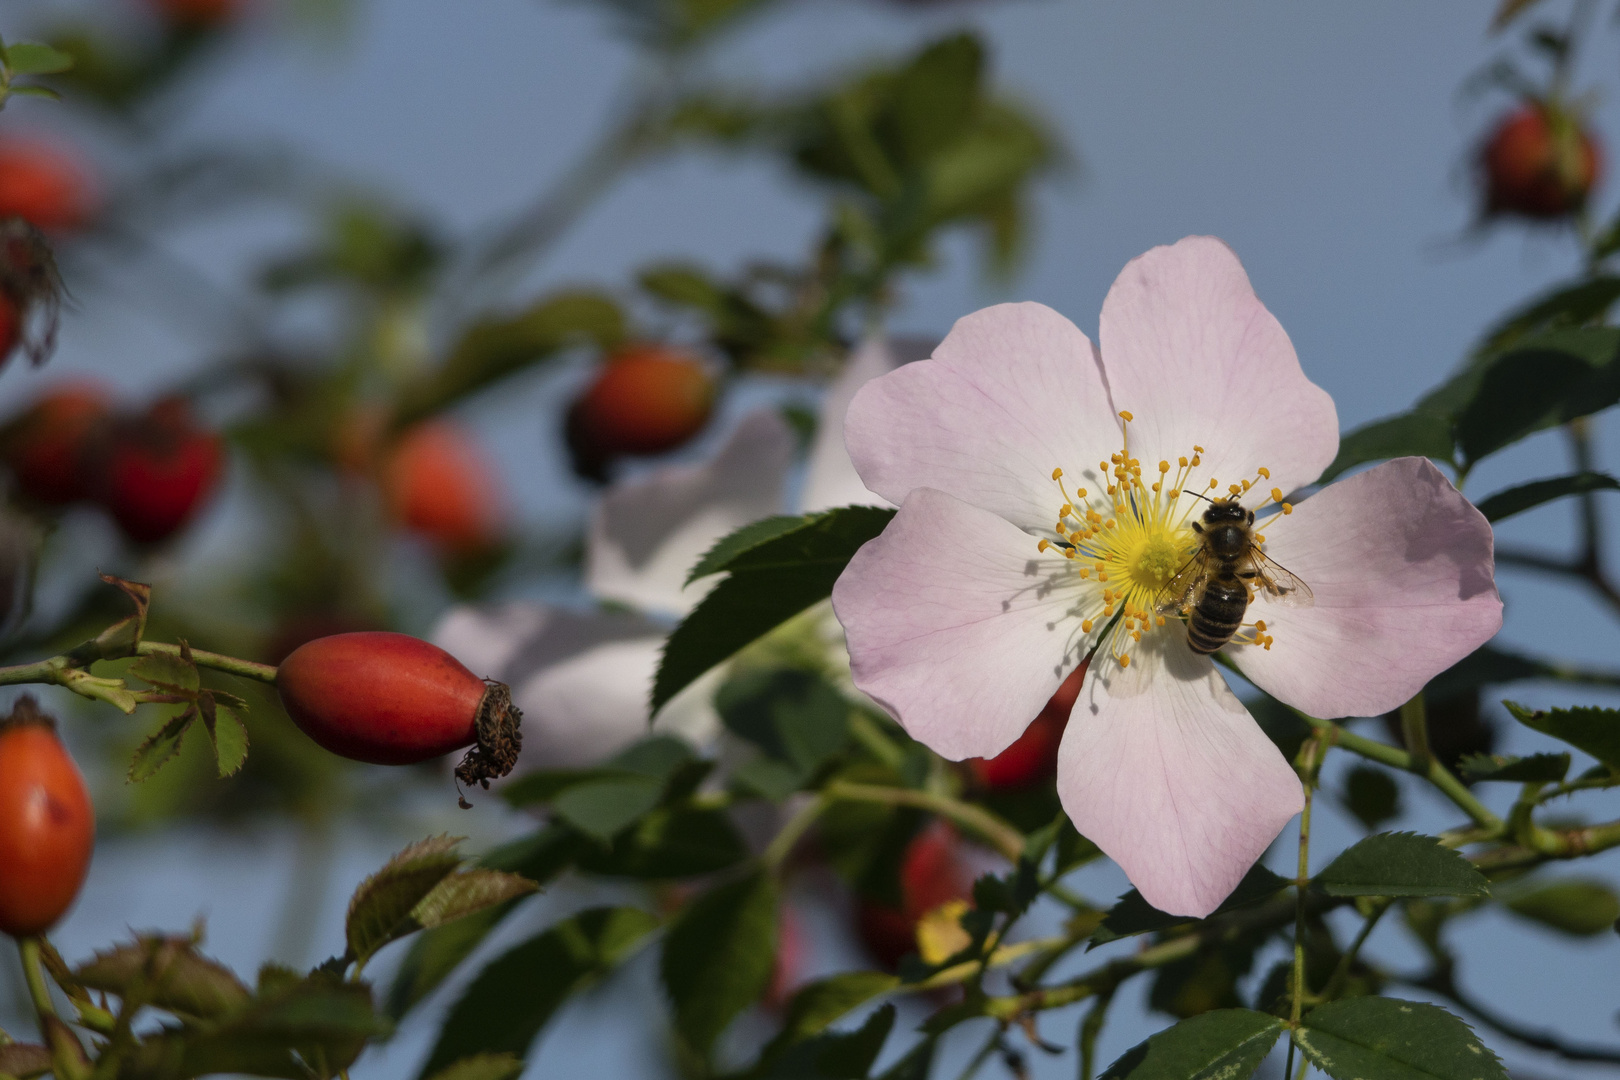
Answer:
[(30, 292), (392, 699), (47, 824)]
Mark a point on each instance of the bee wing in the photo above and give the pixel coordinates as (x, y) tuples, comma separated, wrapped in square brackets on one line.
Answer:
[(1277, 584), (1177, 592)]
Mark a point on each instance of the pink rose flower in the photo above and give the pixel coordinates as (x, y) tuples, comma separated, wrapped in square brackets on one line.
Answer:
[(1045, 490)]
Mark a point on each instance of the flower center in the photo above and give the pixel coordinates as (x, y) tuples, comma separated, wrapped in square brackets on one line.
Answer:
[(1132, 539)]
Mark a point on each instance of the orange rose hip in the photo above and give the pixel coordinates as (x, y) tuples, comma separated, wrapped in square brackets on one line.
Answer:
[(47, 825), (392, 699)]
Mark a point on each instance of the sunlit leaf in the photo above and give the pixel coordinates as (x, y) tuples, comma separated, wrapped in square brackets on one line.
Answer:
[(1374, 1037), (1226, 1044), (167, 972), (32, 58), (384, 900), (161, 746)]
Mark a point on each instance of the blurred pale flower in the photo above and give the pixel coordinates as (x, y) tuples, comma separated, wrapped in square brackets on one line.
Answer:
[(1020, 443), (583, 679)]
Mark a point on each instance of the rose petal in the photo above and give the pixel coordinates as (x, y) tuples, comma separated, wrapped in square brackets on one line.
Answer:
[(1163, 768), (831, 479), (593, 704), (486, 638), (1013, 392), (1191, 352), (1403, 571), (645, 535), (957, 625)]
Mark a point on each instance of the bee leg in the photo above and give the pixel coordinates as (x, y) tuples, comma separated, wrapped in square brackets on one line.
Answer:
[(1246, 574), (1198, 528)]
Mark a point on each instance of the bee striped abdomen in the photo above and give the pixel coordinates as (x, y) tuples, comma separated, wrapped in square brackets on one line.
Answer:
[(1218, 613)]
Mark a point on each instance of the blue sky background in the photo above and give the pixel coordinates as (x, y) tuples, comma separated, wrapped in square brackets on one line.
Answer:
[(1326, 144)]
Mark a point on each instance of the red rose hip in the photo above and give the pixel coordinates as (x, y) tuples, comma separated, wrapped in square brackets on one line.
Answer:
[(1539, 163), (47, 826), (1032, 757), (646, 400), (392, 699), (50, 448), (162, 468)]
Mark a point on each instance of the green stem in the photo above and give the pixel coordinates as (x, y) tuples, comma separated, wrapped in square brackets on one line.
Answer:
[(1415, 734), (247, 669), (785, 841), (1002, 836), (1436, 773), (1303, 883), (1090, 1028), (65, 1064), (1341, 973)]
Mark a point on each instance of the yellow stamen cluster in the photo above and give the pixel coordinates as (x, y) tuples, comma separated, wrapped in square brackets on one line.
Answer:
[(1135, 537)]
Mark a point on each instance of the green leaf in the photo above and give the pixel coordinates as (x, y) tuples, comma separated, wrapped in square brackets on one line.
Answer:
[(1594, 730), (1535, 769), (226, 731), (385, 900), (733, 544), (167, 672), (1486, 666), (934, 98), (494, 349), (795, 716), (465, 893), (435, 954), (32, 58), (1371, 795), (768, 584), (1418, 433), (482, 1067), (1400, 864), (1516, 500), (718, 957), (538, 857), (36, 91), (672, 842), (604, 807), (1580, 907), (166, 972), (817, 1005), (161, 746), (294, 1028), (1134, 915), (1569, 305), (1394, 1040), (1226, 1044), (835, 1055), (1548, 381), (509, 1003)]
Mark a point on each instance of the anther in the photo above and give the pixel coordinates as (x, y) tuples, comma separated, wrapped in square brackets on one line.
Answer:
[(1213, 483), (1182, 462), (1080, 493), (1125, 661), (1085, 626), (1043, 545), (1276, 495), (1234, 489), (1164, 466), (1197, 449), (1260, 625), (1125, 416), (1287, 508), (1259, 538), (1057, 474)]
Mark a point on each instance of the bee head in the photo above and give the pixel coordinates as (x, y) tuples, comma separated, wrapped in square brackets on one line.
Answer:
[(1225, 512)]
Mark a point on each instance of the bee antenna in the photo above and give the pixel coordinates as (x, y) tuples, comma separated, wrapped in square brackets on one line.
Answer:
[(1196, 495)]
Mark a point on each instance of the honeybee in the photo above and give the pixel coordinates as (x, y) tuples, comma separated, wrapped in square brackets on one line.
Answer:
[(1226, 572)]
